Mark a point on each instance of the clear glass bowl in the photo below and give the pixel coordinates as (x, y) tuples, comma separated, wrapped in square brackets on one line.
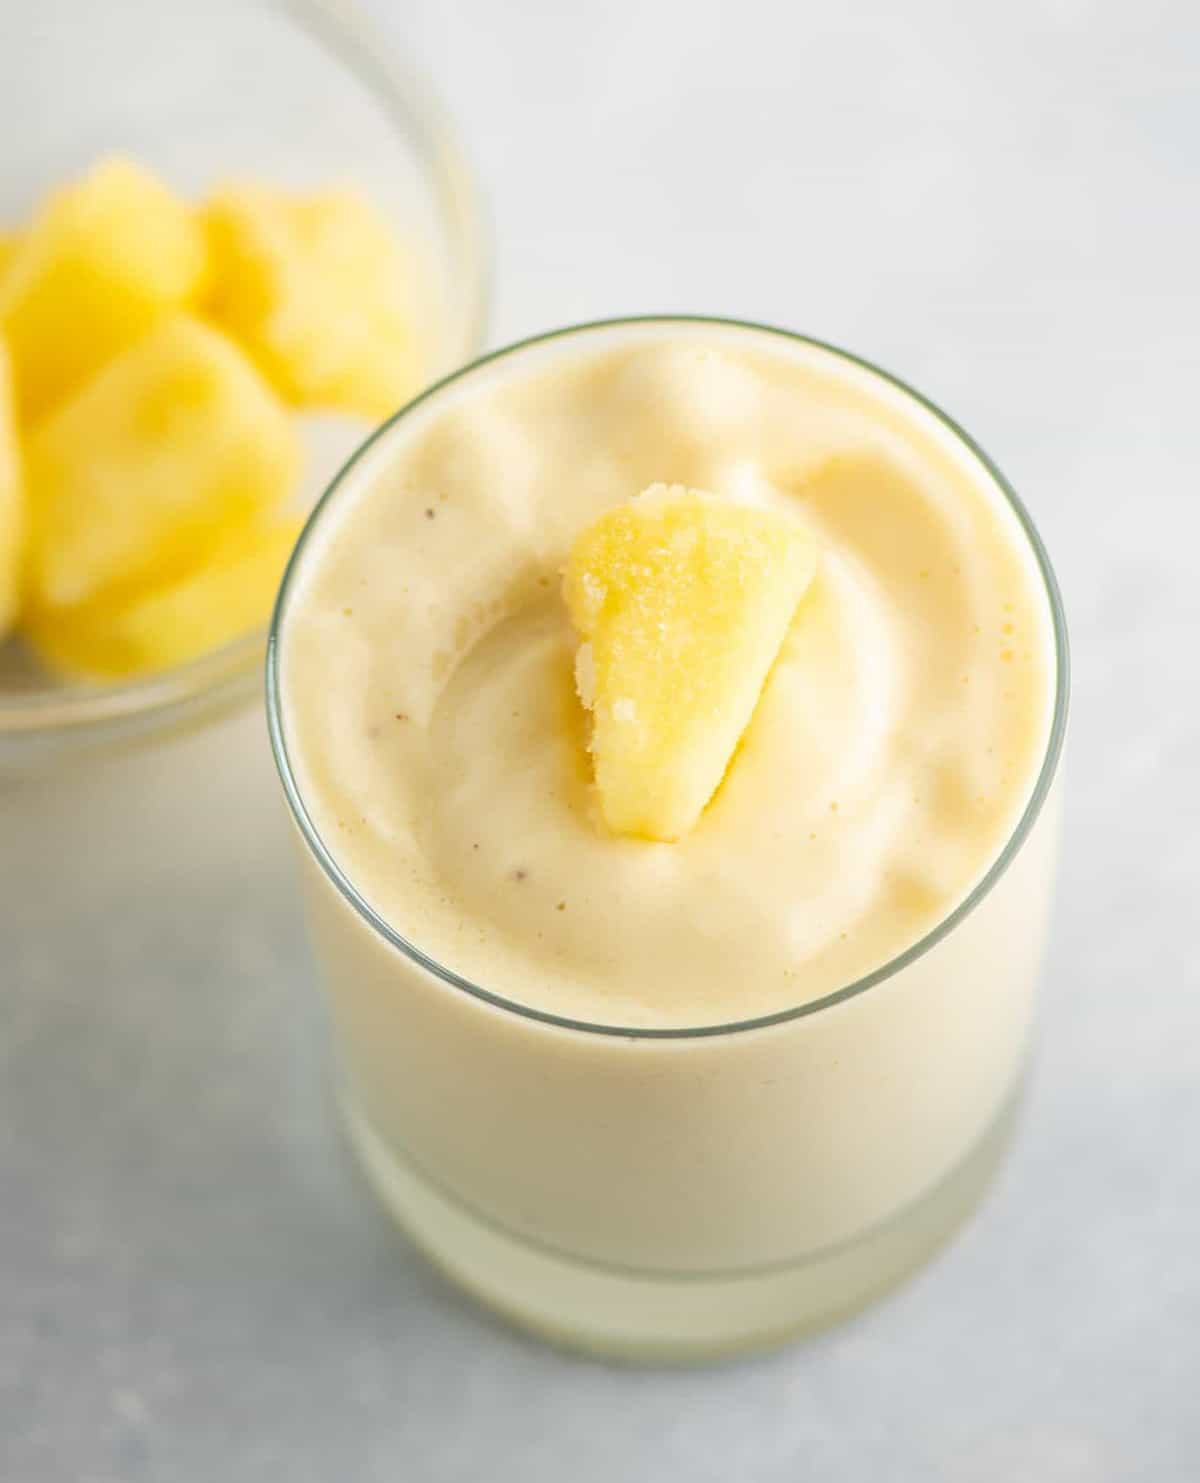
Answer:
[(290, 91)]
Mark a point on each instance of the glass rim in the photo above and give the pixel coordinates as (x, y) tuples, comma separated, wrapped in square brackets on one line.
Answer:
[(228, 674), (942, 929)]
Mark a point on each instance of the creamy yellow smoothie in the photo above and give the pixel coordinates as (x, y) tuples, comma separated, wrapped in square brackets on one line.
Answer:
[(670, 1098)]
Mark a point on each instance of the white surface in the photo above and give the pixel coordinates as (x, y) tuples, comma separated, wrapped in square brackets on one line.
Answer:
[(1001, 203)]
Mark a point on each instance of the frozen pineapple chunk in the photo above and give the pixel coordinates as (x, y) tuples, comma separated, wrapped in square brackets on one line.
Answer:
[(9, 242), (230, 594), (102, 260), (683, 601), (170, 446), (12, 503), (318, 290)]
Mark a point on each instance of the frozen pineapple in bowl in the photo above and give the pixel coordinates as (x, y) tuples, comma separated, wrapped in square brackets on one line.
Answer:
[(241, 238)]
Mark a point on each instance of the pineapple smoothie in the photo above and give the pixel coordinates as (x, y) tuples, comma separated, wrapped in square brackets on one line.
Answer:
[(668, 710)]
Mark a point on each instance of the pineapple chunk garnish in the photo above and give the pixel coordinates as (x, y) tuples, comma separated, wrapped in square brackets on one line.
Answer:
[(174, 443), (12, 503), (683, 601), (317, 289), (102, 260), (230, 594)]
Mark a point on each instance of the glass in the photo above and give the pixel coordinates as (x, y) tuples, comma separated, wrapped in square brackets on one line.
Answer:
[(867, 1122), (298, 91)]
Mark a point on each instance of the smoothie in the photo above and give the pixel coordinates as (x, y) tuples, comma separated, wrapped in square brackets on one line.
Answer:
[(673, 1097)]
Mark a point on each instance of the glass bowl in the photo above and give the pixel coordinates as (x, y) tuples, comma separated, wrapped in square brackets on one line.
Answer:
[(294, 92)]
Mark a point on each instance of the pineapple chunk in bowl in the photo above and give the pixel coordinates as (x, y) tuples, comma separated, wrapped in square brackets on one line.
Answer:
[(130, 633)]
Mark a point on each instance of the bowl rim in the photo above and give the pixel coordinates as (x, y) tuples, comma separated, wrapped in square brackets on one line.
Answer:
[(1020, 831), (229, 674)]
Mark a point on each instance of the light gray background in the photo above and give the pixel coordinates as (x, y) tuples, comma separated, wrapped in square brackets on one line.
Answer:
[(1000, 202)]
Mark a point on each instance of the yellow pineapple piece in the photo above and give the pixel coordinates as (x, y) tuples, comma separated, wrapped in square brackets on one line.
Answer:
[(683, 601), (9, 242), (12, 503), (318, 290), (172, 444), (101, 261), (229, 594)]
